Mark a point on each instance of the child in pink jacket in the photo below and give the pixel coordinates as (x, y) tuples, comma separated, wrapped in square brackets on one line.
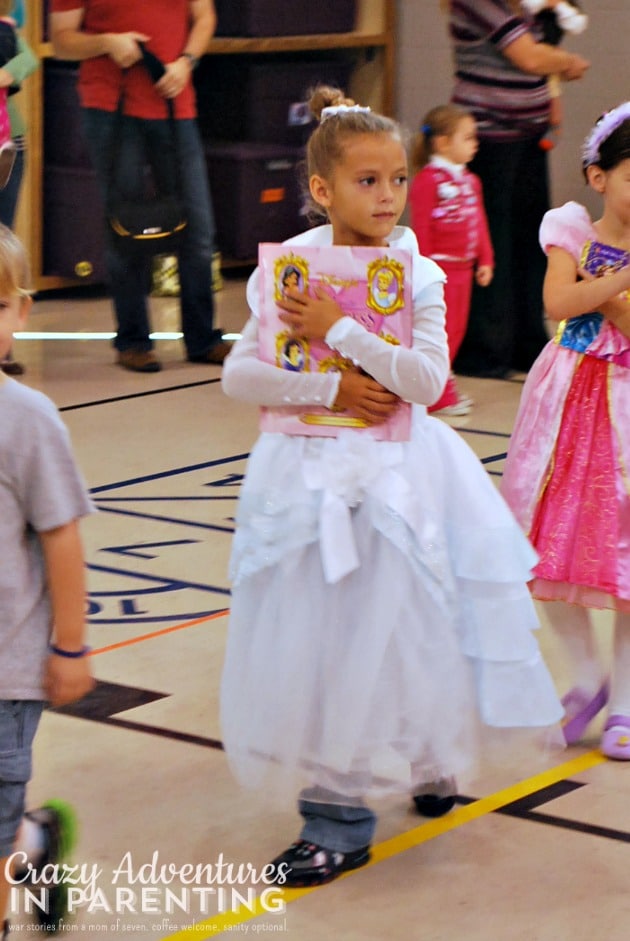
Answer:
[(448, 217)]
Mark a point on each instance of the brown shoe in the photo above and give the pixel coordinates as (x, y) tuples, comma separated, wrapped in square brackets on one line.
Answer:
[(215, 355), (139, 360)]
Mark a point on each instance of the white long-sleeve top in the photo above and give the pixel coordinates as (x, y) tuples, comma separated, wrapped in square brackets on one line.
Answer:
[(416, 374)]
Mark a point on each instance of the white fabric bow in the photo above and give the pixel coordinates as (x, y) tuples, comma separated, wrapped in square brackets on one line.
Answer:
[(346, 470)]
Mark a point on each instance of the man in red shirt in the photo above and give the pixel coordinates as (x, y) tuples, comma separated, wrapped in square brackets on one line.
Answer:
[(106, 37)]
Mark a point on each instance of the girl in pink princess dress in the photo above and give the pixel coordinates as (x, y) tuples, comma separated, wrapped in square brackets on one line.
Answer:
[(567, 472)]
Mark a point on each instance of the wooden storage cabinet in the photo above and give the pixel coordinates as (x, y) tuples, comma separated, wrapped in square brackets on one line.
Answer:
[(370, 44)]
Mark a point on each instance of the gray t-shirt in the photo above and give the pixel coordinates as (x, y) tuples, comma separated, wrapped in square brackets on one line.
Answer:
[(41, 488)]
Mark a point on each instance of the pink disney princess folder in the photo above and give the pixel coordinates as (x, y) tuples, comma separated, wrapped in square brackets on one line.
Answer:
[(372, 285)]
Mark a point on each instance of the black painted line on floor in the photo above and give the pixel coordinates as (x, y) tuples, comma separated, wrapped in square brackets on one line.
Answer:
[(108, 699), (493, 458), (138, 395), (169, 584), (166, 519), (464, 430), (104, 703), (524, 809), (208, 499), (162, 475), (153, 619), (521, 809), (576, 826), (517, 809), (533, 801), (185, 737)]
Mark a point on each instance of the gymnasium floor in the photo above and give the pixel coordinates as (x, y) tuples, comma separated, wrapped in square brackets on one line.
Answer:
[(529, 853)]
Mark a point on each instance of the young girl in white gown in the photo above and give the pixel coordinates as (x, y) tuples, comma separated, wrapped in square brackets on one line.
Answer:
[(380, 610)]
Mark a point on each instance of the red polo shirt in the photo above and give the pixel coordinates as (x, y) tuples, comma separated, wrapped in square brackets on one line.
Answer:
[(167, 22)]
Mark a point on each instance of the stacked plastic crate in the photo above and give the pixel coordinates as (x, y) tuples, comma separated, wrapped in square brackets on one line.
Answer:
[(73, 215), (254, 118)]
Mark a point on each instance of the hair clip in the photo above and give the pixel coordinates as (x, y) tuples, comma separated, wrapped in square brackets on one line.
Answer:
[(608, 123), (426, 129), (333, 110)]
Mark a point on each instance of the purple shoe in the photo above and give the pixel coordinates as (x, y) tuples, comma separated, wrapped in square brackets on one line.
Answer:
[(579, 710), (616, 738)]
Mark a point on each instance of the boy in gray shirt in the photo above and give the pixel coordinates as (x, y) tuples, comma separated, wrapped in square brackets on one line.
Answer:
[(42, 592)]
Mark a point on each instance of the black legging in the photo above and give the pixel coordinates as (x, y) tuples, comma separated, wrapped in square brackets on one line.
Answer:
[(505, 329)]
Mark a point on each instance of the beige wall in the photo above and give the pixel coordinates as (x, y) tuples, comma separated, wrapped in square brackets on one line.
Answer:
[(424, 78)]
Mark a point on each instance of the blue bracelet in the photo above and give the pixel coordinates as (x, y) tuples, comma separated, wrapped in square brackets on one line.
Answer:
[(72, 654)]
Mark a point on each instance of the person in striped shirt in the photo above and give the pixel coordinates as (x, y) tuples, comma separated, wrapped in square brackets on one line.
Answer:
[(501, 70)]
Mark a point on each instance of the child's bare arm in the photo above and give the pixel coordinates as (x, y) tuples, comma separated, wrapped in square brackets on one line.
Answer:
[(66, 678), (617, 311), (484, 275), (569, 292)]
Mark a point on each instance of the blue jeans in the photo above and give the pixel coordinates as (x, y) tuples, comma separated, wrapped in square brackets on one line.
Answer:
[(336, 826), (18, 723), (140, 143), (9, 195)]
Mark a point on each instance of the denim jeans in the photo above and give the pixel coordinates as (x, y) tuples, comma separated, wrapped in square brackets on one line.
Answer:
[(139, 143), (336, 826), (18, 723), (9, 195)]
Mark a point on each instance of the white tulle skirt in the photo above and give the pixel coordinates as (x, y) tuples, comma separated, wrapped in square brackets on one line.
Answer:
[(380, 615)]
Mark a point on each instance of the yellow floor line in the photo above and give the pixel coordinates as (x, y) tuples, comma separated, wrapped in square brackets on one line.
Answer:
[(225, 921)]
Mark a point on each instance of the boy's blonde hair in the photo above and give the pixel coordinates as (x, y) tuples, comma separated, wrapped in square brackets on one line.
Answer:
[(440, 121), (15, 274)]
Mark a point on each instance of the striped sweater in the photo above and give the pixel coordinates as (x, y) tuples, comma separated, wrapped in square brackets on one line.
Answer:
[(507, 103)]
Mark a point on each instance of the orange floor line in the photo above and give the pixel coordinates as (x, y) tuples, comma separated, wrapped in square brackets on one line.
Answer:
[(165, 630)]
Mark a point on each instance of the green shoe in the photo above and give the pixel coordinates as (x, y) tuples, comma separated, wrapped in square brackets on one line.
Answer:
[(58, 822)]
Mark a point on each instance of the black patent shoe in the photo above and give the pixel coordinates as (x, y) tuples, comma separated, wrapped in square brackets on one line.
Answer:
[(429, 805), (11, 367), (437, 798), (307, 864)]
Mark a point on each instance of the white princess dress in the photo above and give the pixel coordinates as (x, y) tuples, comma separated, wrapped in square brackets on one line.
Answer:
[(380, 610)]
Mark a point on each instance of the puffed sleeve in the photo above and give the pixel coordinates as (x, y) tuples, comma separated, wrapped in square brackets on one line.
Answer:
[(567, 227)]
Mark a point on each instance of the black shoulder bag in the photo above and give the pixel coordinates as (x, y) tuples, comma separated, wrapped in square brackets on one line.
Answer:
[(155, 224)]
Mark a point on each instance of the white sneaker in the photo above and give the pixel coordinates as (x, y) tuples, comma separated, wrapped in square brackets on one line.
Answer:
[(463, 406)]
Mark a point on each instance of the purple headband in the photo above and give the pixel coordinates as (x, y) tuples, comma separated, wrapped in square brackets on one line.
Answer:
[(608, 123)]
